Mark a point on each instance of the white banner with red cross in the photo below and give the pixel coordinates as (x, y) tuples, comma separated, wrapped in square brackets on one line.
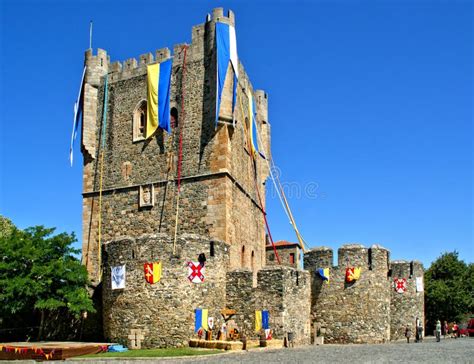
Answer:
[(196, 272), (400, 285)]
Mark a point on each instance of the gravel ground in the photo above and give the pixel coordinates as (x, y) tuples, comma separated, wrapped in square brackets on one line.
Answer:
[(447, 351)]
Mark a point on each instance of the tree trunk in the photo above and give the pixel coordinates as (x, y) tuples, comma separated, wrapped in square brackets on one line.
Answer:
[(40, 331)]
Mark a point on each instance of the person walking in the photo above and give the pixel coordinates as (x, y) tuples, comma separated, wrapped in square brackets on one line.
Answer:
[(446, 329), (408, 333), (438, 331)]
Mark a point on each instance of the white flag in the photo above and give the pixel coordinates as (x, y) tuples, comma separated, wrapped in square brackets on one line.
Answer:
[(419, 284), (118, 277)]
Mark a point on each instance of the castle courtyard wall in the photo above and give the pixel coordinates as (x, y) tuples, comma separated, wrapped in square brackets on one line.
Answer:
[(162, 312)]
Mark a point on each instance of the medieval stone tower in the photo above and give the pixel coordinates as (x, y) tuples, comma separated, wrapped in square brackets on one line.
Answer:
[(220, 213), (130, 216)]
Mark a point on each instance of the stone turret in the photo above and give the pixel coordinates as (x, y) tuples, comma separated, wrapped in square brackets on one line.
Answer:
[(408, 305)]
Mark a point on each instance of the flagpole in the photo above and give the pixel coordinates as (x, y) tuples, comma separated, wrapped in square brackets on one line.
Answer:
[(90, 35)]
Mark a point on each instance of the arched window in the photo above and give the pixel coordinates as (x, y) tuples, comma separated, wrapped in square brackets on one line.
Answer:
[(174, 117), (242, 257), (139, 121), (252, 261)]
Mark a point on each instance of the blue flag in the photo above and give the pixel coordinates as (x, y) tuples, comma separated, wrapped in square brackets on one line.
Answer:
[(226, 45)]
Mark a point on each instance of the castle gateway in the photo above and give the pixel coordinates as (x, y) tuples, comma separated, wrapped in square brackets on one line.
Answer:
[(173, 224)]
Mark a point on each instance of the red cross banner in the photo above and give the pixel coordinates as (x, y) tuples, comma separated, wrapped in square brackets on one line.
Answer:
[(400, 285), (152, 272), (196, 272)]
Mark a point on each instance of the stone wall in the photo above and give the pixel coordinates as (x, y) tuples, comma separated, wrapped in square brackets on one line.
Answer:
[(162, 312), (284, 253), (283, 291), (406, 307), (351, 312)]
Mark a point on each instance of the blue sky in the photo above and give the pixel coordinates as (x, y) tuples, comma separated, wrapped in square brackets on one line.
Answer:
[(370, 105)]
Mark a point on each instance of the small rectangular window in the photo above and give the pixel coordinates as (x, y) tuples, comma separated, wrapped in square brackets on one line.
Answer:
[(271, 257), (211, 252), (292, 258)]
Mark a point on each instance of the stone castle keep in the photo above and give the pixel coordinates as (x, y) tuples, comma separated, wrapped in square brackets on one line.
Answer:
[(220, 215)]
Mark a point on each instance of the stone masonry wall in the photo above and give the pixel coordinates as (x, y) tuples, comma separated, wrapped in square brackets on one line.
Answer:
[(283, 291), (284, 255), (406, 307), (351, 313), (163, 312)]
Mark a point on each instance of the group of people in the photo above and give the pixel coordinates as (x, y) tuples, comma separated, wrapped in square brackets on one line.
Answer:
[(418, 331), (438, 331)]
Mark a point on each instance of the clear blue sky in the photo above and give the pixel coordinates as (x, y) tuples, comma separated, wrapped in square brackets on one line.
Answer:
[(370, 100)]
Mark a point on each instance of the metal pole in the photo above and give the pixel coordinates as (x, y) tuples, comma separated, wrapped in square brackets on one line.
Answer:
[(90, 35)]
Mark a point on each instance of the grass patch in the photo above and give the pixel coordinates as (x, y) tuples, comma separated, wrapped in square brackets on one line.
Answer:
[(155, 353)]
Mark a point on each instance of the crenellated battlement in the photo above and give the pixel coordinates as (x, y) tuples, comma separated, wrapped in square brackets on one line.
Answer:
[(349, 255), (132, 67)]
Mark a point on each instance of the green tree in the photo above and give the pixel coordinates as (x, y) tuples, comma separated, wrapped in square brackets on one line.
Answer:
[(39, 273), (449, 289)]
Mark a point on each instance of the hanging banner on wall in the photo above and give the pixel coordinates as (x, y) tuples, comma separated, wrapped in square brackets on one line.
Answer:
[(118, 277), (200, 315), (158, 97), (226, 45), (258, 320), (152, 272), (262, 320), (419, 284), (324, 274), (400, 285), (352, 274), (196, 272), (265, 320)]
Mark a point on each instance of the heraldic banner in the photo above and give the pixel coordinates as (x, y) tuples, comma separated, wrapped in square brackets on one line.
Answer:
[(152, 272), (118, 277), (196, 272)]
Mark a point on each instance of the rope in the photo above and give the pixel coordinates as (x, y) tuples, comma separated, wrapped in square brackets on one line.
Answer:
[(104, 127), (180, 148), (247, 136), (282, 197)]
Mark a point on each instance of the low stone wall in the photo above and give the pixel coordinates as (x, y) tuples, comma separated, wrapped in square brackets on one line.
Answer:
[(162, 314), (283, 291)]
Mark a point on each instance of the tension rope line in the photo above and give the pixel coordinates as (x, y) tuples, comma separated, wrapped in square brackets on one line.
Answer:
[(102, 149), (180, 148), (249, 143), (282, 197)]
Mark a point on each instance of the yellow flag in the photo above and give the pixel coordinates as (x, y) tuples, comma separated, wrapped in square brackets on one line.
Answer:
[(156, 272), (153, 72), (204, 319), (258, 320)]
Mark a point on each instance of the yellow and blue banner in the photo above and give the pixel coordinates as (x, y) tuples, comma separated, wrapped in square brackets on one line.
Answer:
[(200, 319), (262, 320), (226, 44), (158, 97), (324, 274), (253, 132)]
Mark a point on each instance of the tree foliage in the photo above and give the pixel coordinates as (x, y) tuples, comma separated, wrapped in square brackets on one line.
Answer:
[(449, 285), (39, 273)]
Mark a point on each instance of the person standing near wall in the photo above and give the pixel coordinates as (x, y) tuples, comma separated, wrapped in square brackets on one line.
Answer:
[(417, 336), (408, 333), (438, 331), (446, 329)]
